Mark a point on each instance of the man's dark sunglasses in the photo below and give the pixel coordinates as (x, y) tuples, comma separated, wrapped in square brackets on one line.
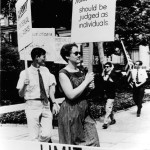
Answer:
[(77, 53), (106, 66)]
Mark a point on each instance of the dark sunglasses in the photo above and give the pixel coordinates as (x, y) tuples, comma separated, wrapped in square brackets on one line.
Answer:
[(77, 53), (106, 66)]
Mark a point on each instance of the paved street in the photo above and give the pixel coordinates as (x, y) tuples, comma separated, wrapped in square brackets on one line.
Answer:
[(130, 132)]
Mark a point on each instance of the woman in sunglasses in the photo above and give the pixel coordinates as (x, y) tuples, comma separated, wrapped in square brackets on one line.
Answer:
[(74, 124)]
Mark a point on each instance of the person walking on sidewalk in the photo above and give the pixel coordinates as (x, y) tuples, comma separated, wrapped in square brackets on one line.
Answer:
[(36, 84), (109, 79), (74, 123), (139, 77)]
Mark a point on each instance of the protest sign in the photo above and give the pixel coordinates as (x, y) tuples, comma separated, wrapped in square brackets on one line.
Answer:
[(24, 23), (59, 42), (93, 20), (44, 38), (31, 145)]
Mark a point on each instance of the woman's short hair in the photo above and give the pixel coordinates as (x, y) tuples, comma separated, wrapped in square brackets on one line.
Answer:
[(66, 50), (37, 52)]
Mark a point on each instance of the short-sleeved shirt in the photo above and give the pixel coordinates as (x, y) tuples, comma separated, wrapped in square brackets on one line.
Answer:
[(33, 89), (142, 75)]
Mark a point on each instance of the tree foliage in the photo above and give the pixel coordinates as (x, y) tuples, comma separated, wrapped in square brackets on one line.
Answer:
[(10, 60), (8, 9), (132, 17), (132, 20), (132, 24)]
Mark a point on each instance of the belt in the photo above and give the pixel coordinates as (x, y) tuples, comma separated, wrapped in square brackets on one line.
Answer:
[(37, 99), (138, 82)]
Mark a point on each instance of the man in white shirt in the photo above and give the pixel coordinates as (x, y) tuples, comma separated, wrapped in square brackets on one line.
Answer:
[(36, 84), (139, 77)]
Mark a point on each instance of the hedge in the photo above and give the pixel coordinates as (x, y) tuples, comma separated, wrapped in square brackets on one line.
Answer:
[(17, 117), (123, 100)]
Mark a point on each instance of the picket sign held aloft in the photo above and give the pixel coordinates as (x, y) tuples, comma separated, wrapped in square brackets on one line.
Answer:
[(24, 23), (43, 38), (93, 20)]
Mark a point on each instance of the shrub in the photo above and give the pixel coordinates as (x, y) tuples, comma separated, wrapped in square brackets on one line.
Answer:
[(17, 117), (123, 101)]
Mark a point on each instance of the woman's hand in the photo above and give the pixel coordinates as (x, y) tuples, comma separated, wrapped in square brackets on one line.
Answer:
[(56, 108), (89, 77), (92, 85)]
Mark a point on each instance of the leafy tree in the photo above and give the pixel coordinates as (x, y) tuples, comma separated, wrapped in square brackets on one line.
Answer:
[(10, 60), (132, 24), (10, 69), (8, 9), (132, 17), (132, 20)]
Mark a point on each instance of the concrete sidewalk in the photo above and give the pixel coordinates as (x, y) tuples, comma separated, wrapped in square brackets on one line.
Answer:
[(130, 132)]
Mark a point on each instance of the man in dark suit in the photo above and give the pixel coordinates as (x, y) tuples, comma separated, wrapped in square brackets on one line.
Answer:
[(109, 79)]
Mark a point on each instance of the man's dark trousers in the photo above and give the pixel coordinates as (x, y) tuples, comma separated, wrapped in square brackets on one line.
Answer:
[(138, 94)]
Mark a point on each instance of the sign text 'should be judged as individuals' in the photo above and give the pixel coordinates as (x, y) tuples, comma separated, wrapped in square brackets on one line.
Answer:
[(93, 20)]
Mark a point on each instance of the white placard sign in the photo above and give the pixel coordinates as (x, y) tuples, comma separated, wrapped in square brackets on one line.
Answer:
[(44, 38), (31, 145), (24, 23), (59, 42), (93, 20)]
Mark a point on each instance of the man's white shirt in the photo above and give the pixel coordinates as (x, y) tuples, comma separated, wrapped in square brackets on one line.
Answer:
[(142, 75), (33, 89)]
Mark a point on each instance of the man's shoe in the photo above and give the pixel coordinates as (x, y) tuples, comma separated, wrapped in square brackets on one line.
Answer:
[(105, 126), (138, 115), (50, 141), (112, 122), (138, 112)]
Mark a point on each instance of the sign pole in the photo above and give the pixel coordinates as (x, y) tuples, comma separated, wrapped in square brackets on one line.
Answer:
[(90, 63), (26, 61), (101, 53)]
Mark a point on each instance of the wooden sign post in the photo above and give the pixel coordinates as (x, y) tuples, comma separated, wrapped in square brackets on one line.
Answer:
[(90, 64)]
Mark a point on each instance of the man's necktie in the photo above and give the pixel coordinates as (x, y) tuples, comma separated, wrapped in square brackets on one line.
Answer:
[(137, 76), (42, 89)]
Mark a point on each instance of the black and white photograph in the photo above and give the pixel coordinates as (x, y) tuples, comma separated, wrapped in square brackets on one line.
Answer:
[(75, 75)]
